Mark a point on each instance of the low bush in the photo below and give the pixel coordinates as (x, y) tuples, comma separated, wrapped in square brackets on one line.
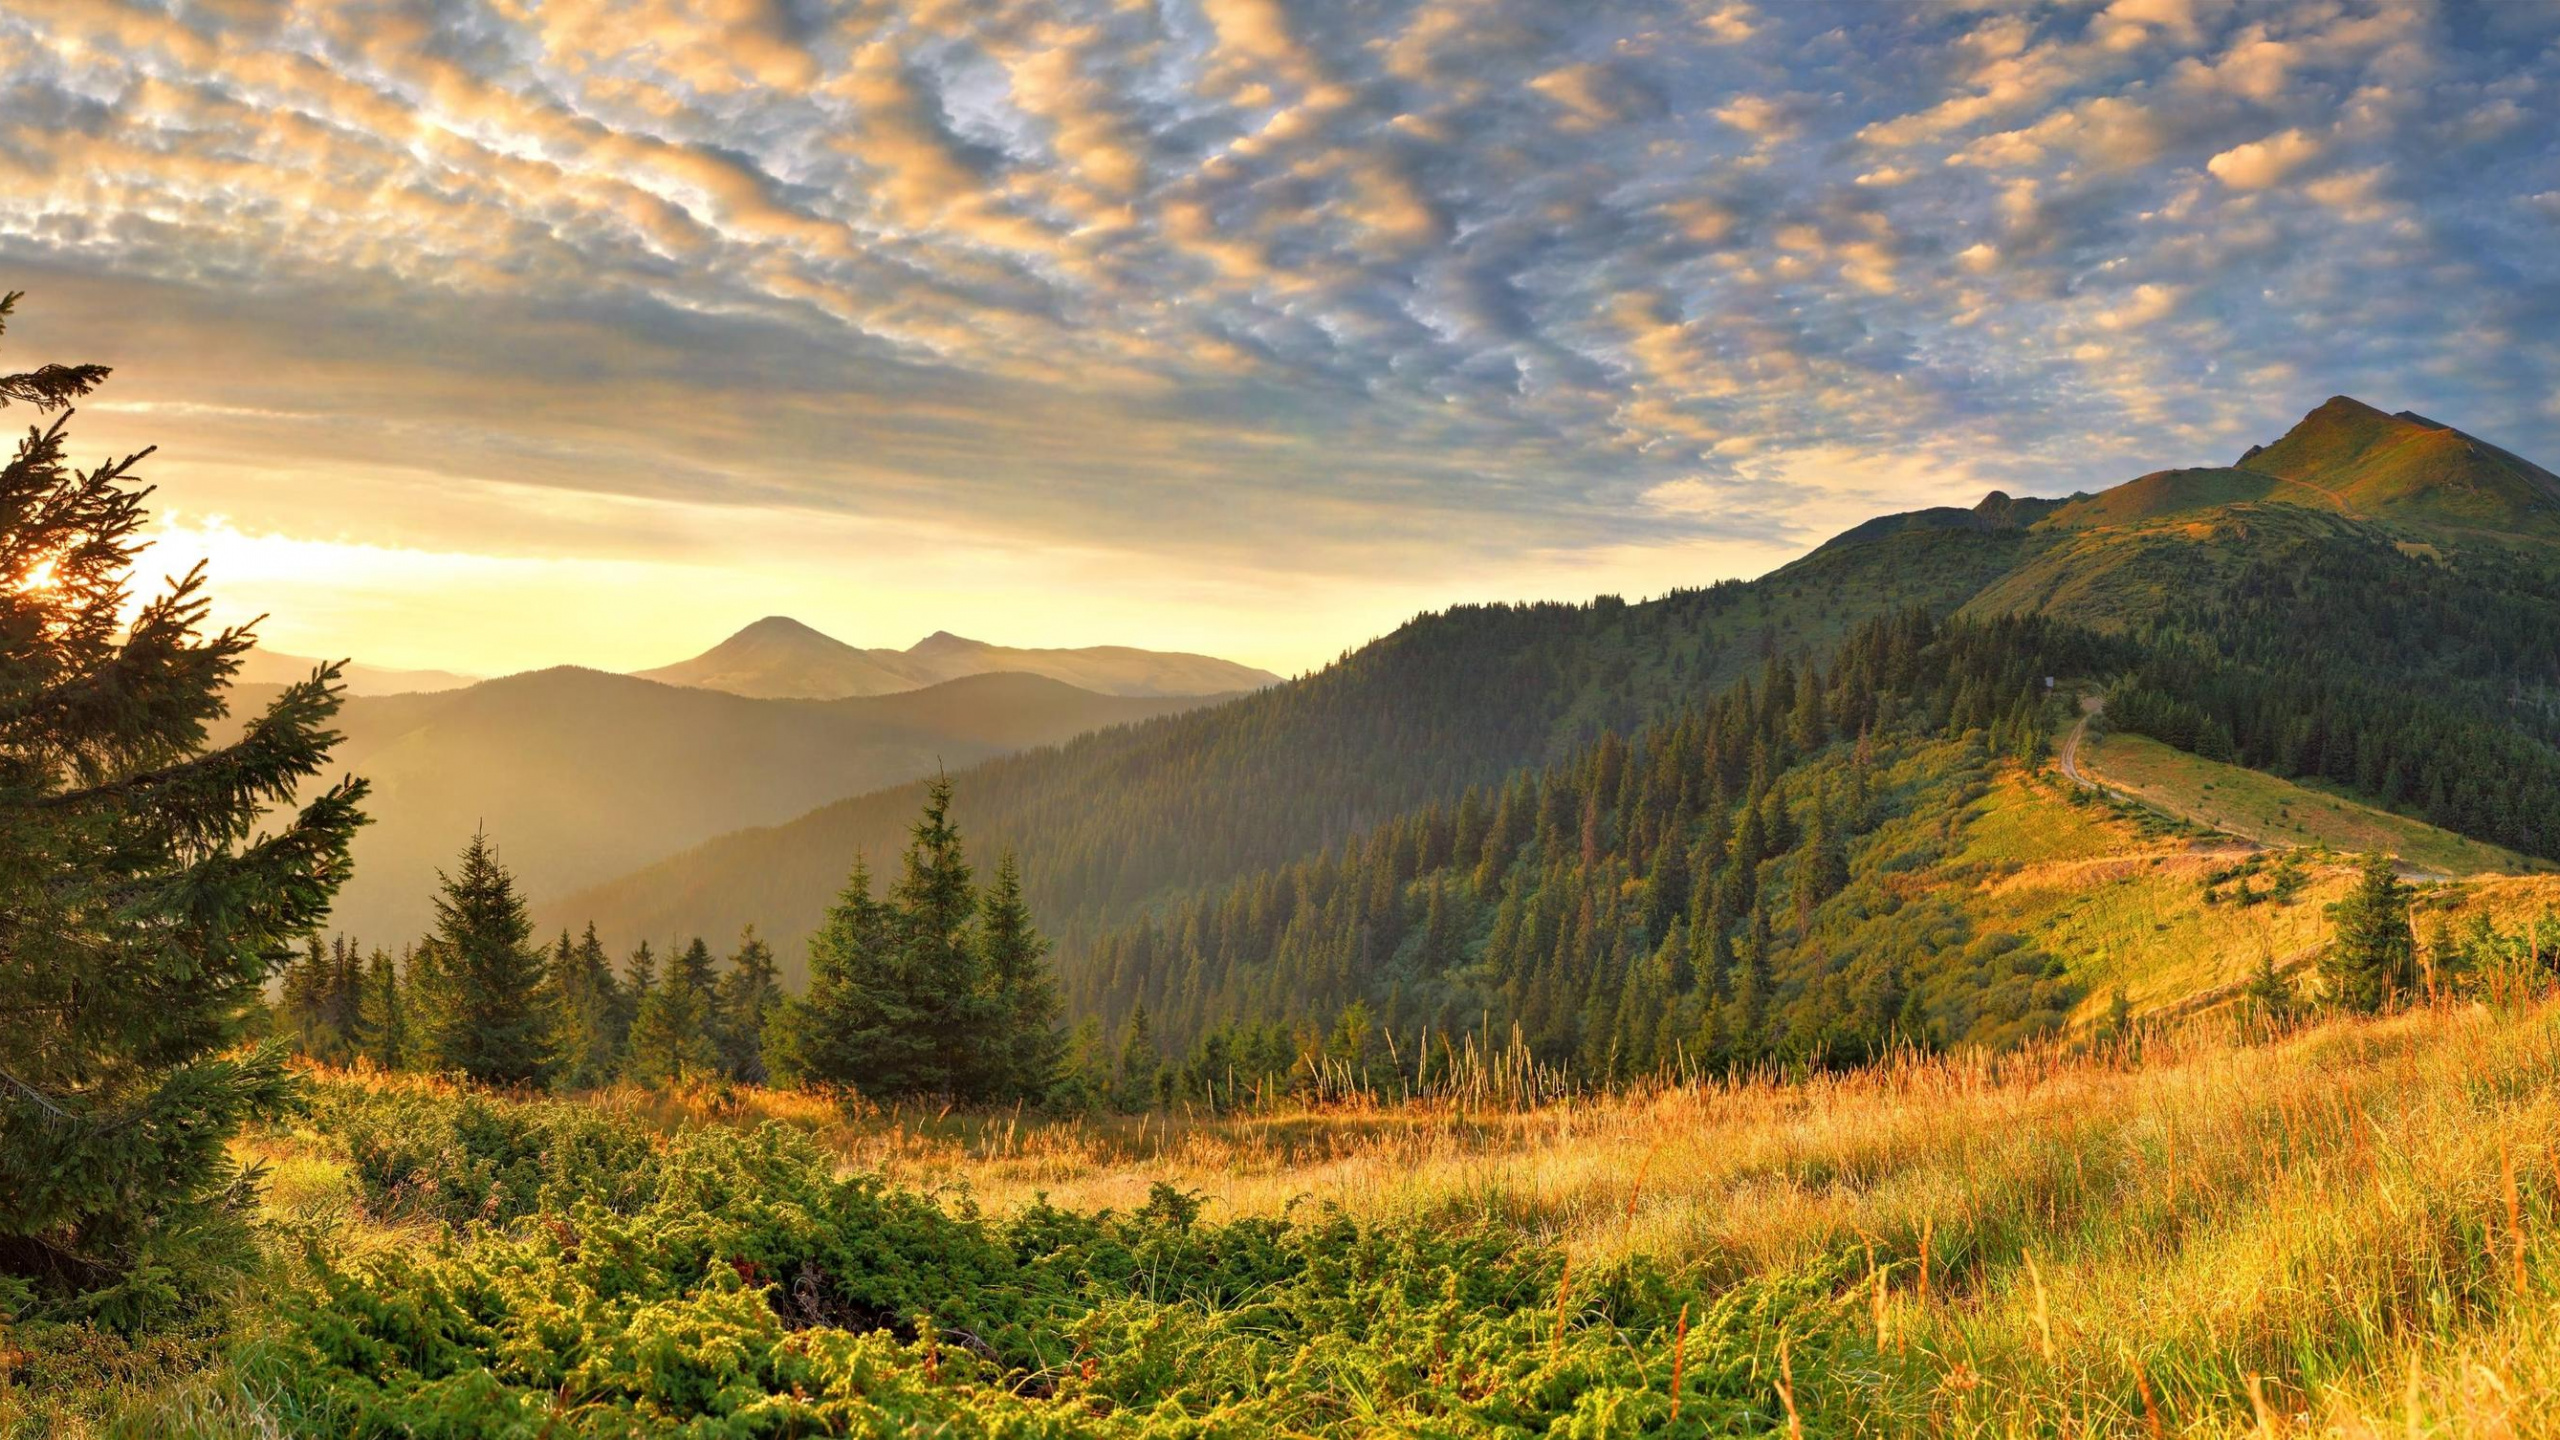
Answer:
[(752, 1292)]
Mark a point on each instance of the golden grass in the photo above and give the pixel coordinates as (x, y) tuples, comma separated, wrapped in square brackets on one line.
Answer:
[(2274, 811), (2313, 1220)]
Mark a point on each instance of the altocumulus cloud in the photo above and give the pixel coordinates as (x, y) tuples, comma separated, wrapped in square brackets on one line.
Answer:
[(1312, 290)]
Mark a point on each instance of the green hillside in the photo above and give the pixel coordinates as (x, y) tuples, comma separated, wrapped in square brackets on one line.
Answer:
[(1113, 822), (2272, 615), (2270, 810), (2410, 469)]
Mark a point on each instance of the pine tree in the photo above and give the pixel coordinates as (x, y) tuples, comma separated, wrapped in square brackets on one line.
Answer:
[(854, 1026), (639, 977), (671, 1038), (2269, 995), (139, 918), (2373, 958), (1140, 1060), (593, 1023), (1026, 1040), (386, 1015), (1746, 1014), (747, 995), (485, 1015), (936, 907)]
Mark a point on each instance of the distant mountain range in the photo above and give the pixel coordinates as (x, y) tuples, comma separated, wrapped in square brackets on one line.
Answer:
[(2443, 540), (262, 666), (578, 775), (778, 658)]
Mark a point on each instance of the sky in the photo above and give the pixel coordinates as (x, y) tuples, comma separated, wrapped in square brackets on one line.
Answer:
[(501, 333)]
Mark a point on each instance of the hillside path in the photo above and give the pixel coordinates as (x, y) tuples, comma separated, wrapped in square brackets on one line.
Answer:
[(2090, 708), (2090, 705)]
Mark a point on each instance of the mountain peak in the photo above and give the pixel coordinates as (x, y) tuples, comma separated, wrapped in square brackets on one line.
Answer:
[(942, 640), (2366, 461), (782, 627)]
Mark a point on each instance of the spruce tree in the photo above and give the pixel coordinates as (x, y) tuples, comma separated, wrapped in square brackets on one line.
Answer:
[(1140, 1060), (594, 1027), (486, 1011), (854, 1026), (141, 909), (2373, 957), (385, 1011), (671, 1036), (1027, 1040), (747, 996), (936, 907)]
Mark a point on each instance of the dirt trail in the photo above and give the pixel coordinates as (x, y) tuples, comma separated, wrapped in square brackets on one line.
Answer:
[(2091, 706)]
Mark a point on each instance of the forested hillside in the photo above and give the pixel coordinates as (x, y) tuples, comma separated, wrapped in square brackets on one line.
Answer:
[(1713, 888), (1111, 822), (1321, 843)]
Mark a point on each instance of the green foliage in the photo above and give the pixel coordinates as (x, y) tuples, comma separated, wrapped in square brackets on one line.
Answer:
[(418, 1155), (935, 991), (2425, 684), (1547, 905), (140, 906), (2373, 960), (738, 1287), (671, 1035), (484, 1001), (594, 1011), (744, 1003), (321, 1006)]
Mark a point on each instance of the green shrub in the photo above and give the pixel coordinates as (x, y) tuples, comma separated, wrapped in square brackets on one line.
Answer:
[(749, 1291)]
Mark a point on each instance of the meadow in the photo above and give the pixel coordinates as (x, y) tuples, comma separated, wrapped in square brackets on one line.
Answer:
[(2349, 1228)]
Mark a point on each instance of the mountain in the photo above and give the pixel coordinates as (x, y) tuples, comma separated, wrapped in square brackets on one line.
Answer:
[(1115, 821), (579, 775), (262, 666), (2349, 458), (780, 658), (2329, 624)]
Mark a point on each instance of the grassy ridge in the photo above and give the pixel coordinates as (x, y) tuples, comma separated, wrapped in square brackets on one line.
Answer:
[(2273, 811)]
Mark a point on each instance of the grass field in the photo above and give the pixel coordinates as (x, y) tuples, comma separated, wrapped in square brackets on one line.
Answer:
[(2354, 1229), (2273, 811), (2120, 897)]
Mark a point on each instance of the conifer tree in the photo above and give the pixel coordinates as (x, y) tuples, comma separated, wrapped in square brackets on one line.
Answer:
[(639, 977), (1023, 996), (853, 1026), (747, 996), (936, 907), (385, 1011), (320, 1000), (1746, 1014), (671, 1038), (2373, 957), (594, 1025), (485, 1011), (140, 908), (1140, 1060)]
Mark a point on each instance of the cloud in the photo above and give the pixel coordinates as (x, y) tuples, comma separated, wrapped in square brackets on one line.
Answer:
[(1476, 293), (2262, 163)]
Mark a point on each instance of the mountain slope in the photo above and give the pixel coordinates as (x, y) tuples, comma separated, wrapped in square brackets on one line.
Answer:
[(1113, 822), (2409, 468), (579, 775), (2307, 627), (780, 658)]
